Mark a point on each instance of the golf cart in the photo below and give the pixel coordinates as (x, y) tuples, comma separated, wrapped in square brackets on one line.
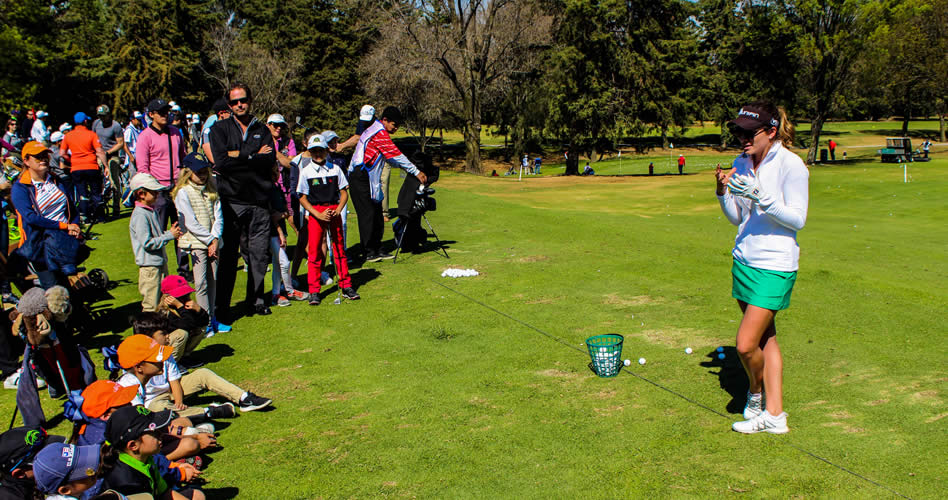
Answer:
[(897, 150)]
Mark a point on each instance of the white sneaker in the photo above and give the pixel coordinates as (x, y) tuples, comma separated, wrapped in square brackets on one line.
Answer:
[(11, 381), (765, 422), (40, 383), (755, 405)]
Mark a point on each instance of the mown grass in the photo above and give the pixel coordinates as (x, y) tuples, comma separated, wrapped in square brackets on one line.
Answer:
[(419, 390)]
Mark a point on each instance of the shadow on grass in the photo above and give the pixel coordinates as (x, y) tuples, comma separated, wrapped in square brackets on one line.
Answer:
[(213, 353), (221, 493), (731, 377)]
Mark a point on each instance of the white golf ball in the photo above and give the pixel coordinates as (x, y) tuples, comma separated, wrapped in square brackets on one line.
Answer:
[(688, 350), (603, 349), (641, 361), (627, 362)]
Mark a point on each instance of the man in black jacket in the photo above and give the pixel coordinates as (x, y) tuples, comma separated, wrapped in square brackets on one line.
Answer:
[(244, 159)]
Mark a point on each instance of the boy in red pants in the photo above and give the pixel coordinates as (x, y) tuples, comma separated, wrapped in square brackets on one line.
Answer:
[(323, 189)]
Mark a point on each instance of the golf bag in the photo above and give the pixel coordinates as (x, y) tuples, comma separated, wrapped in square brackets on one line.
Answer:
[(413, 204)]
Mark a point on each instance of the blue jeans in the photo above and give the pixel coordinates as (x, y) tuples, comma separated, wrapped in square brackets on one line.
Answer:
[(88, 185)]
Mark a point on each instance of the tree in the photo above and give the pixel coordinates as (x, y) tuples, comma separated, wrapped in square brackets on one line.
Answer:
[(473, 45), (829, 37)]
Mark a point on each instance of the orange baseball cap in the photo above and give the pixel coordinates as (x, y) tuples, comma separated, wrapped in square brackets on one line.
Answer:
[(101, 395), (32, 148), (139, 348)]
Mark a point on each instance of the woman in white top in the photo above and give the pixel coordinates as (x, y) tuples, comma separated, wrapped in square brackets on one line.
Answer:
[(766, 195)]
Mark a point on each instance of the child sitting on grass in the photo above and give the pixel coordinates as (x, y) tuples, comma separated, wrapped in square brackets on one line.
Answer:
[(65, 471), (166, 390), (187, 320), (133, 459), (149, 239)]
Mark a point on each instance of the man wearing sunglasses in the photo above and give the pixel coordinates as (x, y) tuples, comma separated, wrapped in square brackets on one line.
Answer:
[(243, 153)]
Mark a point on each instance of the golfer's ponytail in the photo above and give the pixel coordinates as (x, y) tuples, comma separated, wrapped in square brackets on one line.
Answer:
[(785, 132)]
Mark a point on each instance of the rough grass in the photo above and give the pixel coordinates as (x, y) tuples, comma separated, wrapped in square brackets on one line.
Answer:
[(420, 391)]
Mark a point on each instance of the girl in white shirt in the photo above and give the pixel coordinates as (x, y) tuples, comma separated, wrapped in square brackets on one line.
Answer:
[(766, 195)]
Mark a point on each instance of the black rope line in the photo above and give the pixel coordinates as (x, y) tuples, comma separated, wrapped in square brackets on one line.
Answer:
[(662, 387)]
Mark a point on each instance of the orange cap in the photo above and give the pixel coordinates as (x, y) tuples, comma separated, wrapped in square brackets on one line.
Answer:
[(32, 148), (101, 395), (139, 348)]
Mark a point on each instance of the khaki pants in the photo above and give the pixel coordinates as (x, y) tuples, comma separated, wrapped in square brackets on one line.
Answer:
[(386, 173), (197, 381), (149, 285), (182, 343)]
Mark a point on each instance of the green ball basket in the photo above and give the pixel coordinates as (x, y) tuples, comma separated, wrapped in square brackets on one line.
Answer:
[(606, 354)]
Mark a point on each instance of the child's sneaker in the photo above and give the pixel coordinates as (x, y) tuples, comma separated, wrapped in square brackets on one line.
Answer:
[(755, 405), (252, 402), (297, 295), (282, 301), (765, 422), (314, 299), (221, 410), (350, 293), (11, 381)]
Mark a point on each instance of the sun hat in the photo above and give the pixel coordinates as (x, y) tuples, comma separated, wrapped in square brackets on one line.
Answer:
[(176, 286), (140, 348)]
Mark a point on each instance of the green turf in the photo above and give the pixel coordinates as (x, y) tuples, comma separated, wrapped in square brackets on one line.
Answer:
[(418, 391)]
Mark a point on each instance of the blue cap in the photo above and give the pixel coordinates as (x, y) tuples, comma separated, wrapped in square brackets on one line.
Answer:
[(79, 117), (195, 162), (59, 463)]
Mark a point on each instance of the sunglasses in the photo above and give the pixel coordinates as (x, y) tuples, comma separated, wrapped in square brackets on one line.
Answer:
[(747, 135), (241, 100)]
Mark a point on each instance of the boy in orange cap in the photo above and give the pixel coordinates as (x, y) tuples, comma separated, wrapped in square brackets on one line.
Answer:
[(99, 400)]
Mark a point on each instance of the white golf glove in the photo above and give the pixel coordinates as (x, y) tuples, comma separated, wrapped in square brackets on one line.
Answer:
[(748, 186)]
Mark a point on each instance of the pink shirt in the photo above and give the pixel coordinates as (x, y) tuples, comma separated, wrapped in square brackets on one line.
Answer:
[(152, 155)]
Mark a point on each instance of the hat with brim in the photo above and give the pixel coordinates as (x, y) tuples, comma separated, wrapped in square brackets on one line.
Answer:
[(59, 463), (317, 141), (277, 119), (176, 286), (19, 446), (131, 422), (752, 117), (80, 118), (33, 148), (157, 105), (141, 348), (101, 395), (366, 113), (195, 162), (329, 135), (142, 180)]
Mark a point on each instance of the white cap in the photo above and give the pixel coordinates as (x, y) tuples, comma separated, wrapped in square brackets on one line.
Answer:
[(41, 114), (142, 180), (188, 115), (367, 112), (276, 118), (172, 103), (329, 135), (137, 114), (56, 136), (175, 107), (195, 118), (317, 141), (64, 127)]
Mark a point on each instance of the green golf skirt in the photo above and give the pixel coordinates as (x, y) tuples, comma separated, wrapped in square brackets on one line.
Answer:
[(761, 287)]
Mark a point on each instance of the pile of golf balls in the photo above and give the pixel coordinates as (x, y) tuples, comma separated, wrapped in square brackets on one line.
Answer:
[(606, 360)]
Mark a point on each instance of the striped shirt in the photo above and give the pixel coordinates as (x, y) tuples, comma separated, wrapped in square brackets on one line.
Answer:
[(382, 144), (51, 201)]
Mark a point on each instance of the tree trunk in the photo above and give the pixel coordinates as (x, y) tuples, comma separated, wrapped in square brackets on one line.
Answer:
[(816, 127), (664, 137), (472, 133), (905, 122), (941, 126), (723, 135)]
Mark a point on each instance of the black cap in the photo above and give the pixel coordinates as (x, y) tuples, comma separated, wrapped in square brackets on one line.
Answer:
[(18, 446), (221, 105), (752, 117), (392, 114), (195, 162), (157, 104), (130, 422)]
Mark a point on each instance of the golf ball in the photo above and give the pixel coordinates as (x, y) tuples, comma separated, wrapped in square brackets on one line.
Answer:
[(688, 350), (627, 362), (641, 361), (721, 356), (603, 349), (720, 349)]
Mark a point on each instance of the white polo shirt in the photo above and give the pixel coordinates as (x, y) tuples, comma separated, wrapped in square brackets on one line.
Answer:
[(321, 183)]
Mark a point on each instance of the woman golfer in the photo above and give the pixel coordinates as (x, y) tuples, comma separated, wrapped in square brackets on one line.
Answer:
[(766, 196)]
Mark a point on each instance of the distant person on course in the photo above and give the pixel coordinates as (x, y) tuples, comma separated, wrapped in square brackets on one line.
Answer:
[(766, 195)]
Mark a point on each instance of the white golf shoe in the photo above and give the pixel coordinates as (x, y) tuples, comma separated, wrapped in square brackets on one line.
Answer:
[(755, 405), (765, 422)]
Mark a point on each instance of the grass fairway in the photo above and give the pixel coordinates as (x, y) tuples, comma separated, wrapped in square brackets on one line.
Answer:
[(419, 390)]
